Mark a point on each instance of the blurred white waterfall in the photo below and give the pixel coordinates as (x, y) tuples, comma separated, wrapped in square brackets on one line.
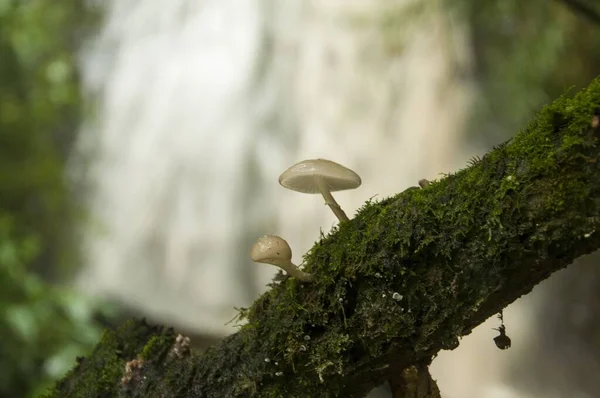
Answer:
[(202, 104), (169, 149)]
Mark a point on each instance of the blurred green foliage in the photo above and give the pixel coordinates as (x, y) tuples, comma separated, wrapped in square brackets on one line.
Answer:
[(40, 106), (42, 327), (525, 54)]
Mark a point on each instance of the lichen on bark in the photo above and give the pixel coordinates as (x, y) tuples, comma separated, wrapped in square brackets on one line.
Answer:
[(407, 277)]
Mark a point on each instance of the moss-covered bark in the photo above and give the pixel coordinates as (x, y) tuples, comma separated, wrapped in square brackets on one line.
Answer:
[(404, 279)]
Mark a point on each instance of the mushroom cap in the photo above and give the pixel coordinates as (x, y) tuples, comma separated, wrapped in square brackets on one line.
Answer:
[(271, 249), (301, 176)]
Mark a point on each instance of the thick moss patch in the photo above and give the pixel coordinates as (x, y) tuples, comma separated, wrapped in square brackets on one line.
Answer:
[(101, 374)]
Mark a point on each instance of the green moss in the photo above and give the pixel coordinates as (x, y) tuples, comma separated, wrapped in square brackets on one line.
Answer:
[(157, 347), (101, 374)]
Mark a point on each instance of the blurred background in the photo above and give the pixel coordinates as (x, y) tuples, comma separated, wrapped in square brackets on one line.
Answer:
[(141, 142)]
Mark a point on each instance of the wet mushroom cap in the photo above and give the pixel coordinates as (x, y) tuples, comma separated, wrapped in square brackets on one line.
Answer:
[(270, 249), (301, 176)]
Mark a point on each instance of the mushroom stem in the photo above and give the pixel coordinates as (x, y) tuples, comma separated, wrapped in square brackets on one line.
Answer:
[(330, 201), (294, 271)]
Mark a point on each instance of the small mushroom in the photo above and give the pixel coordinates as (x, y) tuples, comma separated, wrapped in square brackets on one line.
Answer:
[(423, 183), (271, 249), (321, 176)]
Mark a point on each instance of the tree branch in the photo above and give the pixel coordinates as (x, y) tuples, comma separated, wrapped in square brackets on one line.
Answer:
[(583, 9), (402, 280)]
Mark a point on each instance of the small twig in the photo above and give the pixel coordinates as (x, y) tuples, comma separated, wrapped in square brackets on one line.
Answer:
[(585, 10), (502, 341)]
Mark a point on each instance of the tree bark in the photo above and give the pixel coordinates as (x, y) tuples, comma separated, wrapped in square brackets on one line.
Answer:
[(407, 277), (414, 382)]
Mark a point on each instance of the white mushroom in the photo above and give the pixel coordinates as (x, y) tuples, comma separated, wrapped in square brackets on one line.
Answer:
[(271, 249), (321, 176)]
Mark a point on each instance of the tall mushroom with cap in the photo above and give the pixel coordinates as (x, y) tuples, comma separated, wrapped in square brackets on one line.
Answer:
[(274, 250), (321, 176)]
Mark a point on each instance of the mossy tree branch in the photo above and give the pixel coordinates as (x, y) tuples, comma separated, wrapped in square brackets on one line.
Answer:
[(404, 279)]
